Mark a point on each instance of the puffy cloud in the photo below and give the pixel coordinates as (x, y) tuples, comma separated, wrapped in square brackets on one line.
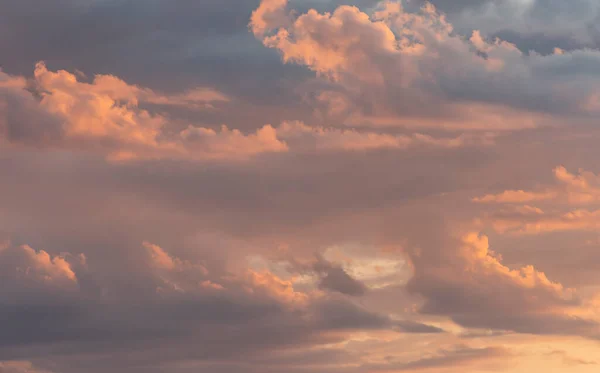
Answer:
[(22, 120), (233, 143), (405, 67), (29, 269), (92, 111), (106, 117), (470, 284), (269, 15)]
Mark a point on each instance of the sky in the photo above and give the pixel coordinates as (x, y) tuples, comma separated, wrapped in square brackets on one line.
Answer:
[(299, 186)]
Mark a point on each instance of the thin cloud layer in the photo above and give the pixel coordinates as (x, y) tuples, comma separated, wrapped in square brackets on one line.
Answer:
[(571, 204), (570, 189)]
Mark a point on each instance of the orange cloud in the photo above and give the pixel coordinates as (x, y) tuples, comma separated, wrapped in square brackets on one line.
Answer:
[(105, 117), (515, 196), (570, 189), (412, 69), (568, 205), (277, 288), (232, 143), (24, 266), (469, 283), (269, 15)]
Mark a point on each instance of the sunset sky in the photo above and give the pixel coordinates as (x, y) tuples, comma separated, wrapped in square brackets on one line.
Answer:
[(299, 186)]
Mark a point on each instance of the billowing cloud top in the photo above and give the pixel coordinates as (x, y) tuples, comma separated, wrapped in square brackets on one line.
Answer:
[(301, 186)]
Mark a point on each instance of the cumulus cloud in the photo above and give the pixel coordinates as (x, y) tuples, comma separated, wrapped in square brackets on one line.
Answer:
[(470, 284), (31, 269), (403, 67), (232, 143), (269, 15), (56, 110), (105, 116), (22, 120)]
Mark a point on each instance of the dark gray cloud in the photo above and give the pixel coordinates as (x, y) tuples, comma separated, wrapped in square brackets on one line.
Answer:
[(539, 25), (449, 6), (335, 278), (331, 276)]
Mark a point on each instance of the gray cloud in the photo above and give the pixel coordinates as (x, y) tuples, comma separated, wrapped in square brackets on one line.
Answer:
[(171, 45), (383, 79), (64, 308)]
